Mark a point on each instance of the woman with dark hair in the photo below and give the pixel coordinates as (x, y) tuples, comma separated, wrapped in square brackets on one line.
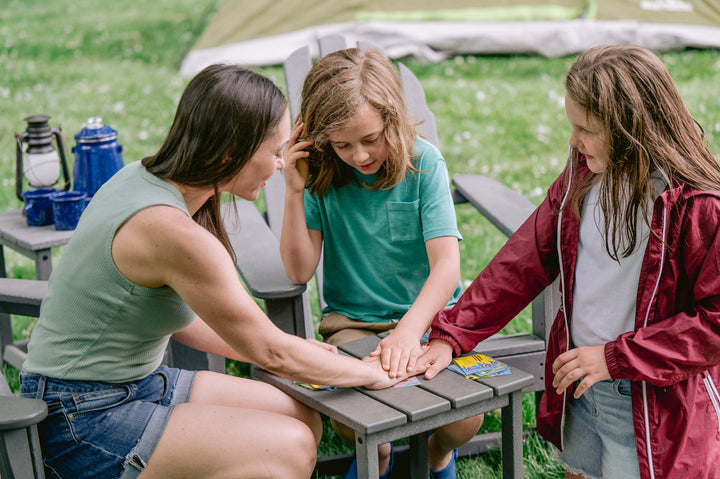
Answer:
[(150, 259)]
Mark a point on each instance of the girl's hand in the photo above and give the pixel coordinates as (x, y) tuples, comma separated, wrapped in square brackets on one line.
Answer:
[(398, 353), (586, 362), (437, 356), (295, 157)]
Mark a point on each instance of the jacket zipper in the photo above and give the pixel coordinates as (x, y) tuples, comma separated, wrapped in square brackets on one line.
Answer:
[(714, 395), (646, 411)]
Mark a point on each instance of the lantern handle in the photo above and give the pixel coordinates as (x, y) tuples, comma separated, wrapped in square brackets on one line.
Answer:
[(61, 149), (19, 138)]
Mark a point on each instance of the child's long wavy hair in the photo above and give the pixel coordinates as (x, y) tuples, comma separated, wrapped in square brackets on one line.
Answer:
[(647, 129), (335, 89), (225, 113)]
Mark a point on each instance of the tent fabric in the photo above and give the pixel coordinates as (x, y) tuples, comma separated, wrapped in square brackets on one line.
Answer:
[(265, 32)]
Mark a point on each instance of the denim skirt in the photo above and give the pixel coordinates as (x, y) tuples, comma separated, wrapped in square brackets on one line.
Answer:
[(104, 430), (599, 435)]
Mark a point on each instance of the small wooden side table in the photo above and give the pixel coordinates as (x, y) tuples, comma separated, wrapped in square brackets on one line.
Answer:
[(395, 413), (35, 242)]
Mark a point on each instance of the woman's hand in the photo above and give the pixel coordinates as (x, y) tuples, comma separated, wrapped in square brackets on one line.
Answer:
[(295, 157), (398, 353), (383, 379), (586, 362)]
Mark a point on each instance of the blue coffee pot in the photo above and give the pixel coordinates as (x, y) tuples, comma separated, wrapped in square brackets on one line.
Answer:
[(98, 156)]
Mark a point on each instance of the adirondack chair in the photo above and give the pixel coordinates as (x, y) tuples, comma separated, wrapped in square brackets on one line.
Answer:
[(256, 237), (20, 454)]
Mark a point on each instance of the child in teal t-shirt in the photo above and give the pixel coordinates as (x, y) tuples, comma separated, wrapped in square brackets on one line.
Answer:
[(366, 192)]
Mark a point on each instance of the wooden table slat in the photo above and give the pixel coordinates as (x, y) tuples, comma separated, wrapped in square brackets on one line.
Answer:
[(510, 383), (456, 389), (349, 406), (413, 401)]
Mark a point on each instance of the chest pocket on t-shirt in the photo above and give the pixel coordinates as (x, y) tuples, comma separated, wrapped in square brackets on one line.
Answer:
[(404, 221)]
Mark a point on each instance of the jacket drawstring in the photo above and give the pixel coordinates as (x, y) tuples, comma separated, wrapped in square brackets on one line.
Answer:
[(714, 395), (563, 306)]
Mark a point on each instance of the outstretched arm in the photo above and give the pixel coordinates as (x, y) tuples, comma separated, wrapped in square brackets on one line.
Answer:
[(161, 245)]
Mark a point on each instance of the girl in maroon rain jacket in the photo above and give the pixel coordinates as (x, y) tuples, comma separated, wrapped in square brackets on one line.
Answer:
[(642, 188)]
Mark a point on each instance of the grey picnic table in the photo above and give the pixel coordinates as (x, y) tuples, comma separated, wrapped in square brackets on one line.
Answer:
[(380, 416)]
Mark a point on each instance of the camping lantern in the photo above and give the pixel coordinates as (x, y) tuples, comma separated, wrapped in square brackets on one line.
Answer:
[(40, 162)]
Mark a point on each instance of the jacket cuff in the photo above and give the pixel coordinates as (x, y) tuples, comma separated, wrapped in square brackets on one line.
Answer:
[(612, 361), (435, 334)]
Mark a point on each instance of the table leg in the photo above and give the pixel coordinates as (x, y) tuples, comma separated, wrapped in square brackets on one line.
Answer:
[(3, 271), (419, 456), (367, 456), (43, 264), (6, 335), (512, 446)]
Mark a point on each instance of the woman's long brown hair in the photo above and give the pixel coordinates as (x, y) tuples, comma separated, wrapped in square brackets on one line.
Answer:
[(225, 113)]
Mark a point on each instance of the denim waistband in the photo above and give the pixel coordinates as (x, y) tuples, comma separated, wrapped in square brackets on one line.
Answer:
[(39, 387)]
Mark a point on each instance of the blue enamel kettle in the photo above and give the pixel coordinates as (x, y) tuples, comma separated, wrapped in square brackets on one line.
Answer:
[(98, 156)]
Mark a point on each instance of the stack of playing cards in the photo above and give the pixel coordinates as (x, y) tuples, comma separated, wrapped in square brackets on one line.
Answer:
[(411, 381), (479, 366), (314, 387)]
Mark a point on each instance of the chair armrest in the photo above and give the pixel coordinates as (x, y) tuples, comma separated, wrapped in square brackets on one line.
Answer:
[(19, 413), (257, 252), (505, 208), (22, 296)]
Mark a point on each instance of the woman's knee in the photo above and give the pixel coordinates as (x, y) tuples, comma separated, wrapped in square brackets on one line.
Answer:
[(299, 448), (313, 420)]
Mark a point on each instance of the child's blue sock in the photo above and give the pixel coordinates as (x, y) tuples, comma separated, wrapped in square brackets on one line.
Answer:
[(447, 472)]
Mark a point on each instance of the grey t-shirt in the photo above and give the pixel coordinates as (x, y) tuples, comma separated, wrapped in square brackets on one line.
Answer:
[(605, 290)]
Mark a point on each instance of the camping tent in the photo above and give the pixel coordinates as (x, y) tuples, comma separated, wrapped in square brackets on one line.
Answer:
[(265, 32)]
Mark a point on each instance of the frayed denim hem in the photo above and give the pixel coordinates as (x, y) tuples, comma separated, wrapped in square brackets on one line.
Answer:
[(569, 468)]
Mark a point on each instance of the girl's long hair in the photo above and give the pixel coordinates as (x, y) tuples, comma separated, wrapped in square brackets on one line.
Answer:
[(225, 113), (647, 128), (335, 89)]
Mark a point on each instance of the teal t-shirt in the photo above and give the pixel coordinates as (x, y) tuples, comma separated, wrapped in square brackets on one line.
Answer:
[(94, 324), (374, 257)]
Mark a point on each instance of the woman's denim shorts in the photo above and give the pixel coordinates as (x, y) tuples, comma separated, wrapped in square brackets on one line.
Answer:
[(104, 430), (599, 435)]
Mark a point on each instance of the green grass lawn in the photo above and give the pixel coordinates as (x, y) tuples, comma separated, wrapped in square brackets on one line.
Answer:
[(501, 116)]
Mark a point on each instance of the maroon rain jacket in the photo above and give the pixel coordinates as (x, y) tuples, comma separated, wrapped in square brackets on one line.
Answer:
[(672, 357)]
